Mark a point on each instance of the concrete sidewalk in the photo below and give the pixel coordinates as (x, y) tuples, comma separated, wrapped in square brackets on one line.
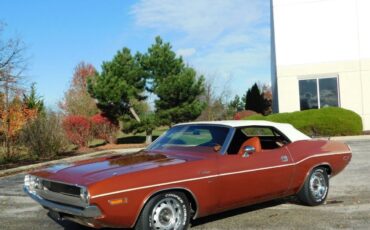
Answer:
[(66, 160), (347, 138)]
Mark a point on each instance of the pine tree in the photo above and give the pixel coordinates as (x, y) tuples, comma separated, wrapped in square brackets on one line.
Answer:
[(254, 100), (121, 81), (176, 85), (33, 101)]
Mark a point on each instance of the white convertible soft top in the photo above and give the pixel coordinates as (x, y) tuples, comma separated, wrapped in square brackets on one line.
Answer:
[(287, 129)]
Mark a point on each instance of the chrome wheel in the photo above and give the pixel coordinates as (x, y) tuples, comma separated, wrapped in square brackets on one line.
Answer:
[(315, 188), (318, 185), (167, 214)]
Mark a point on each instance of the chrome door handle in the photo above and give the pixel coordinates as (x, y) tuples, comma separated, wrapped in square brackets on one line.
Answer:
[(284, 158)]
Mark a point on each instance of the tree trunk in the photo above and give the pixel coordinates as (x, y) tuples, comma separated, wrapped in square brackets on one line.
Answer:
[(149, 137), (133, 112), (7, 121)]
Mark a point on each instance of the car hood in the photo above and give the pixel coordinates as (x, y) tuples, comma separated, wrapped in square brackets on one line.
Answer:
[(90, 171)]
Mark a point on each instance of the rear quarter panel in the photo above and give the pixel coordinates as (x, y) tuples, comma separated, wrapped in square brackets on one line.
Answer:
[(309, 154)]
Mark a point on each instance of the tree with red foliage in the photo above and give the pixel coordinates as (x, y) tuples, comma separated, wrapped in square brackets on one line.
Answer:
[(78, 129), (15, 116), (103, 128), (237, 116), (77, 100), (82, 72), (244, 114)]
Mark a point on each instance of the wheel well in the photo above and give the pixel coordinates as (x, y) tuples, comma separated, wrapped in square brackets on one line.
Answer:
[(327, 168), (189, 195), (191, 199)]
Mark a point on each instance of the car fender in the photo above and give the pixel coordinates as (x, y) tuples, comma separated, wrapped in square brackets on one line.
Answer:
[(327, 164)]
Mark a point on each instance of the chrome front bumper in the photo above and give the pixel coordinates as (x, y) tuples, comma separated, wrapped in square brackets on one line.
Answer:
[(91, 211)]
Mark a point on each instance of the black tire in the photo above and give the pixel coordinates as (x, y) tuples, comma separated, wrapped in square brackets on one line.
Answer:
[(315, 188), (167, 210)]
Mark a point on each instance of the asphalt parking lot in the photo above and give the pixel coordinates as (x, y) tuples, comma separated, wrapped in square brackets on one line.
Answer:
[(347, 207)]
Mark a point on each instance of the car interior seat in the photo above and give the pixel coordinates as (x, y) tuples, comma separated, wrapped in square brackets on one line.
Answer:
[(253, 141)]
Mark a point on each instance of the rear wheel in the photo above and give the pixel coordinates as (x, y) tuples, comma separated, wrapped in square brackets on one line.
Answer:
[(315, 188), (165, 211)]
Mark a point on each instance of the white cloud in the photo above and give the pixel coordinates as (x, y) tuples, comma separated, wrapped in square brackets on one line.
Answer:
[(235, 61), (201, 19), (228, 38), (186, 52)]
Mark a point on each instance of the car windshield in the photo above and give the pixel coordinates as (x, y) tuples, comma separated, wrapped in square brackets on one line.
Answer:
[(187, 136)]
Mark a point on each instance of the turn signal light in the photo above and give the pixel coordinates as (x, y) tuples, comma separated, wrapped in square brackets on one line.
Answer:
[(118, 201)]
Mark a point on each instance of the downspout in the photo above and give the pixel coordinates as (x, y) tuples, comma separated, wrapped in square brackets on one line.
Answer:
[(274, 84)]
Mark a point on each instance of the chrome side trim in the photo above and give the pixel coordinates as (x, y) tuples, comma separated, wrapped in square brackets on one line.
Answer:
[(88, 212), (217, 175)]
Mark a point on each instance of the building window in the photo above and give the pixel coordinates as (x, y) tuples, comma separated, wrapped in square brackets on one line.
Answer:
[(318, 93)]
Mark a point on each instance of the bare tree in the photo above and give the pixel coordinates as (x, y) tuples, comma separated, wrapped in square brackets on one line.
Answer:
[(12, 65), (216, 101), (12, 58)]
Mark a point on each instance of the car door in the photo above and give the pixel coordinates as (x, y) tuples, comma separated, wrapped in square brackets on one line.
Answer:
[(261, 176)]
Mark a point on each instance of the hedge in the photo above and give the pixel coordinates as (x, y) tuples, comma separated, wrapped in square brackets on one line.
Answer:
[(331, 121)]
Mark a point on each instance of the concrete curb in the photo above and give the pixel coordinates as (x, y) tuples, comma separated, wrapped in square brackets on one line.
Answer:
[(352, 138), (6, 172), (347, 138)]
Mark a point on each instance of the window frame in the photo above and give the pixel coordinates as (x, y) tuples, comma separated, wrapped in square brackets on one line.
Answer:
[(317, 78), (224, 147), (272, 128)]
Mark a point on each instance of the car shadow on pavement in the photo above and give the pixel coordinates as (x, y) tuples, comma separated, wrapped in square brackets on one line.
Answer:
[(243, 210), (69, 225)]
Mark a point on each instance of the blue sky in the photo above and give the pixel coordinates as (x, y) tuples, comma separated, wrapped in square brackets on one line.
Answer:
[(227, 41)]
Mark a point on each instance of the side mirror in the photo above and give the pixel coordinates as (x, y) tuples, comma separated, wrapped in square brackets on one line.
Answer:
[(248, 150)]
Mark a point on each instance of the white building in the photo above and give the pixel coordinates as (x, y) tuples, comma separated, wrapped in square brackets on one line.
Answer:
[(322, 55)]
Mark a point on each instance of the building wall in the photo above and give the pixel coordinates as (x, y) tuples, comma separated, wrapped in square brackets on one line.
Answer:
[(318, 38)]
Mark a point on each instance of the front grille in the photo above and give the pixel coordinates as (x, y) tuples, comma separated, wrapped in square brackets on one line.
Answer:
[(61, 188)]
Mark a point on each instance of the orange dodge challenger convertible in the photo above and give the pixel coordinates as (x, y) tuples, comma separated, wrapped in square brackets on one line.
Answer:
[(193, 170)]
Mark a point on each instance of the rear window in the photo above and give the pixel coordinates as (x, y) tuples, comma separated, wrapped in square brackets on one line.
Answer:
[(258, 131)]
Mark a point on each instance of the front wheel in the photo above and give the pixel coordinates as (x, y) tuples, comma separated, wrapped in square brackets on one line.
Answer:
[(315, 188), (165, 211)]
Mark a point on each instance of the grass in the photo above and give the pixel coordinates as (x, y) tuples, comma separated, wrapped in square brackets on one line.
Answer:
[(96, 143)]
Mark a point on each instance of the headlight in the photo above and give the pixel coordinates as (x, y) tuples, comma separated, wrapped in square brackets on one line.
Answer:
[(38, 183), (84, 194), (32, 182), (29, 182)]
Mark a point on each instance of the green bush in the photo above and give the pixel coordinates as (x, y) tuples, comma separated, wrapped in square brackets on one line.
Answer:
[(330, 121)]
